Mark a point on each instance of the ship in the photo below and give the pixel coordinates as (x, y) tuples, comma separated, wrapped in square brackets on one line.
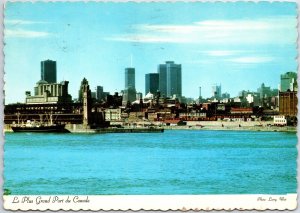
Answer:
[(34, 126)]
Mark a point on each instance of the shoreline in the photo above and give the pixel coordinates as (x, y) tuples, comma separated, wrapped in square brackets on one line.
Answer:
[(78, 129), (246, 128)]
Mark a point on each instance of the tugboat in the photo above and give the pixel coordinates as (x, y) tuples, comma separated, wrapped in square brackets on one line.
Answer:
[(33, 126)]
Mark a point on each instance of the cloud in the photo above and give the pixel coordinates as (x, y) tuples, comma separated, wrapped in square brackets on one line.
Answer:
[(276, 30), (251, 60), (12, 29), (25, 34), (221, 53), (22, 22), (146, 39)]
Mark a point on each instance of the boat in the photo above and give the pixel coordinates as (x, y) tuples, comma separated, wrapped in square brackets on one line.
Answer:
[(33, 126)]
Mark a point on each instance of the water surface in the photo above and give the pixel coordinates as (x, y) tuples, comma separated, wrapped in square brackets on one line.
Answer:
[(173, 162)]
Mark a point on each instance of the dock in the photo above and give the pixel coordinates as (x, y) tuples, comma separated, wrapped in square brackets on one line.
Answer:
[(116, 130)]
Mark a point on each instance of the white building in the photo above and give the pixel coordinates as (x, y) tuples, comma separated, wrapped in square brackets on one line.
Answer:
[(113, 114), (280, 120), (49, 93)]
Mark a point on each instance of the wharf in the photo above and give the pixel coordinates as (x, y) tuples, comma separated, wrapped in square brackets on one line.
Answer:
[(78, 128)]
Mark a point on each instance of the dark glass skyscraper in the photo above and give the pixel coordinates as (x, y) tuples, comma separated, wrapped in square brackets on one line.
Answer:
[(162, 72), (170, 79), (48, 71), (99, 93), (129, 78), (151, 83)]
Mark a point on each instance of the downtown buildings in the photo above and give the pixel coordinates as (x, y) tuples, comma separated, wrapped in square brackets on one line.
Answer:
[(288, 95), (129, 94), (248, 105), (170, 79), (47, 90), (167, 81), (216, 91), (152, 83), (48, 71)]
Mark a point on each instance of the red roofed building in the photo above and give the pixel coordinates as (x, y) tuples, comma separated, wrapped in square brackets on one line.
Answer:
[(241, 110)]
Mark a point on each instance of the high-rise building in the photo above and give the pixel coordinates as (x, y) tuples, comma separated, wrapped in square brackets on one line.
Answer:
[(151, 83), (216, 91), (170, 79), (288, 81), (129, 94), (99, 93), (226, 95), (48, 71), (162, 73), (129, 78)]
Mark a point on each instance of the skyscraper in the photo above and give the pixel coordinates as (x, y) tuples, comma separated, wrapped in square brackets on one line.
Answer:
[(170, 79), (48, 71), (216, 91), (129, 91), (129, 78), (288, 81), (151, 83), (162, 72), (99, 93)]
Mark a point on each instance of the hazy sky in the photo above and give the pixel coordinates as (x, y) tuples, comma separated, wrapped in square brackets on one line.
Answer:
[(239, 45)]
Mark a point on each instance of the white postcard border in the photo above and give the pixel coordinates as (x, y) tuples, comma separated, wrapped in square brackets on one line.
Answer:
[(241, 202), (151, 202)]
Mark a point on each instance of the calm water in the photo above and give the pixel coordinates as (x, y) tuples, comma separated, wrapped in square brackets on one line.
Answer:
[(173, 162)]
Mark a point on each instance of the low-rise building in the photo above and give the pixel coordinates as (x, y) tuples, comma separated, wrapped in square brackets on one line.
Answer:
[(152, 116), (280, 120), (49, 93), (113, 114), (192, 115), (241, 110)]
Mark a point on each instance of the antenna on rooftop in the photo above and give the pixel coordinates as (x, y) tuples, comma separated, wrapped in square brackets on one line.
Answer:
[(130, 60)]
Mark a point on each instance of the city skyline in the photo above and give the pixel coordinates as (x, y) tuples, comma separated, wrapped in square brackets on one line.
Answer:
[(287, 82), (213, 45)]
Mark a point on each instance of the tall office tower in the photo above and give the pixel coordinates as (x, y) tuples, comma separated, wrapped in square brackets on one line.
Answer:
[(48, 71), (288, 81), (216, 91), (151, 83), (129, 78), (174, 80), (99, 93), (129, 91), (170, 79), (162, 72)]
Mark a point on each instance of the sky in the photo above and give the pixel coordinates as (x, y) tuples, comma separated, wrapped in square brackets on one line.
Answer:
[(239, 45)]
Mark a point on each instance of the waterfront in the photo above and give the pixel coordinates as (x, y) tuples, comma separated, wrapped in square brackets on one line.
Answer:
[(174, 162)]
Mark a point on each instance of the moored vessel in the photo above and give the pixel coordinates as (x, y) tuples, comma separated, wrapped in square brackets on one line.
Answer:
[(32, 127)]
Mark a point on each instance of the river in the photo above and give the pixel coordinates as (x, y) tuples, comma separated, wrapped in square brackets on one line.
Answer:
[(173, 162)]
